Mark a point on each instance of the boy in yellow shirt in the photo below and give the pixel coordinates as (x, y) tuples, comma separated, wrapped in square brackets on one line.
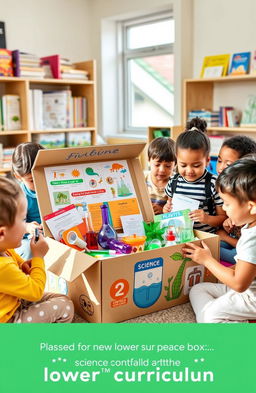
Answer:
[(22, 298)]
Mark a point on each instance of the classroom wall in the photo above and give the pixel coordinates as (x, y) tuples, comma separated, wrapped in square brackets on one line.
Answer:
[(48, 27), (222, 26)]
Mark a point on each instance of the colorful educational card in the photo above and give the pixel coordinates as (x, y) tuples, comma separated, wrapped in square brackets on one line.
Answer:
[(93, 183)]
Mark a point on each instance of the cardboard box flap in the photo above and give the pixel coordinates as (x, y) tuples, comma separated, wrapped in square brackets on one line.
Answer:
[(66, 261), (71, 155)]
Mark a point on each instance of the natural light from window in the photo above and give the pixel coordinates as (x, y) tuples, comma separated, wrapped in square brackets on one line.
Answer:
[(149, 64)]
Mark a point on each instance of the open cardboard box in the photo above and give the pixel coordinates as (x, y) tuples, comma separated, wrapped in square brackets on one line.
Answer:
[(123, 287)]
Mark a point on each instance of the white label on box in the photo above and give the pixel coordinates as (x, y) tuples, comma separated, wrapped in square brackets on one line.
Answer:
[(193, 275)]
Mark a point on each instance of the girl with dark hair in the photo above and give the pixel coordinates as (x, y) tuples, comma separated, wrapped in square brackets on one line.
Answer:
[(193, 180)]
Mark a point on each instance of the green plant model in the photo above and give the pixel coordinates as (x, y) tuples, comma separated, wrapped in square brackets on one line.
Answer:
[(176, 284)]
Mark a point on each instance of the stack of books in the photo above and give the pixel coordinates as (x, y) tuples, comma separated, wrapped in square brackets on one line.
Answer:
[(10, 119), (61, 68), (211, 117), (6, 68), (27, 65)]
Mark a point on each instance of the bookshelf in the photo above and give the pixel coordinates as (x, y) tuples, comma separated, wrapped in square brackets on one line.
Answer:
[(200, 93), (174, 131), (21, 87)]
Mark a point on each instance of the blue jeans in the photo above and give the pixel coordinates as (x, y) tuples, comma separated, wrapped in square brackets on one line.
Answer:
[(227, 252), (24, 250)]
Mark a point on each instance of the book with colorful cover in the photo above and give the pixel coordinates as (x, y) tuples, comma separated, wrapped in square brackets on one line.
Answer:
[(240, 64), (181, 223), (215, 61), (6, 68), (54, 63)]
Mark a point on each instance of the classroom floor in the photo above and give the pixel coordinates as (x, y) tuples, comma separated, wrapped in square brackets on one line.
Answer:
[(177, 314)]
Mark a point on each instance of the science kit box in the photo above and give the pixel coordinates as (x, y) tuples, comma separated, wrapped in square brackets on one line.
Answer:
[(124, 286)]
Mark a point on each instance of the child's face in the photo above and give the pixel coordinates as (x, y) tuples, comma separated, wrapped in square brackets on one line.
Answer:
[(161, 170), (239, 212), (13, 235), (28, 181), (191, 163), (226, 157)]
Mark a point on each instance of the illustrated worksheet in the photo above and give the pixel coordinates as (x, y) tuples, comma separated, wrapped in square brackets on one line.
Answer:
[(94, 183)]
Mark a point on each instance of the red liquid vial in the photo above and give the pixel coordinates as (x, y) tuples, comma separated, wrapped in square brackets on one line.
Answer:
[(91, 236), (91, 240)]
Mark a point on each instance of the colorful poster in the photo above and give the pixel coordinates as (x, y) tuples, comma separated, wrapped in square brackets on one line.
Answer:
[(94, 183)]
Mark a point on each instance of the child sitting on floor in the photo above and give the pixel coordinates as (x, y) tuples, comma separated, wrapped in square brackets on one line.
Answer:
[(235, 299), (22, 298), (22, 162), (161, 157), (193, 180), (231, 150)]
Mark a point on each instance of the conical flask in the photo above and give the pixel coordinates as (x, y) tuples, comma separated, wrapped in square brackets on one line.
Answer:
[(106, 231)]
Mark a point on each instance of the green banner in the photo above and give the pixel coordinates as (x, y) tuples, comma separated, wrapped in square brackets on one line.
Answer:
[(133, 358)]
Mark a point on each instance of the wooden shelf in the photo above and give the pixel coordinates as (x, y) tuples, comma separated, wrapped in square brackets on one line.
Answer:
[(224, 79), (199, 93), (21, 87), (55, 130), (51, 81), (17, 132), (238, 130)]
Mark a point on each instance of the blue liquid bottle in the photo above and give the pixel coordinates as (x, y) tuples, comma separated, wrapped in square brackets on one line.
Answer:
[(106, 231)]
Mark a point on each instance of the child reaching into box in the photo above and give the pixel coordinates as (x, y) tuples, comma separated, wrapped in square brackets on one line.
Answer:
[(235, 299), (193, 180), (22, 283), (22, 162), (161, 157), (231, 150)]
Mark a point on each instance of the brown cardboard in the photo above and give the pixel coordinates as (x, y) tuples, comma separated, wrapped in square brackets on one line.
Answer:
[(113, 289)]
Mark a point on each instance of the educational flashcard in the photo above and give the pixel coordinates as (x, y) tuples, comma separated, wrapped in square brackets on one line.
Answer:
[(93, 184)]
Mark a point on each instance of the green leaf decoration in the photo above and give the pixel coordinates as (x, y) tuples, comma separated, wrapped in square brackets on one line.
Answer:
[(177, 256), (153, 231), (187, 259)]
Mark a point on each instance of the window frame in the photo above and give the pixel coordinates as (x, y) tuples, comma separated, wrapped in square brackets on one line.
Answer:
[(125, 94)]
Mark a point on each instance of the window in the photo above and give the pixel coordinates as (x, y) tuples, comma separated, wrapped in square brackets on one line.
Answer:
[(147, 70)]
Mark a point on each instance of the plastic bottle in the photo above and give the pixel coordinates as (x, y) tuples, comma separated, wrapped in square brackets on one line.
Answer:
[(170, 239), (116, 245), (91, 236), (106, 231)]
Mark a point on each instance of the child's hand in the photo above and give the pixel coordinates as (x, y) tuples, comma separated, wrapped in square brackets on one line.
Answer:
[(197, 254), (40, 248), (26, 266), (158, 209), (227, 225), (199, 215), (168, 206), (31, 226)]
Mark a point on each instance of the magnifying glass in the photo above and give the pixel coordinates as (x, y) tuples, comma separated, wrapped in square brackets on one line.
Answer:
[(75, 240)]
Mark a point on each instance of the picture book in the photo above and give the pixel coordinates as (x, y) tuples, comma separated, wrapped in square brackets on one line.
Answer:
[(11, 112), (215, 61), (54, 63), (6, 68), (96, 183), (240, 64)]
